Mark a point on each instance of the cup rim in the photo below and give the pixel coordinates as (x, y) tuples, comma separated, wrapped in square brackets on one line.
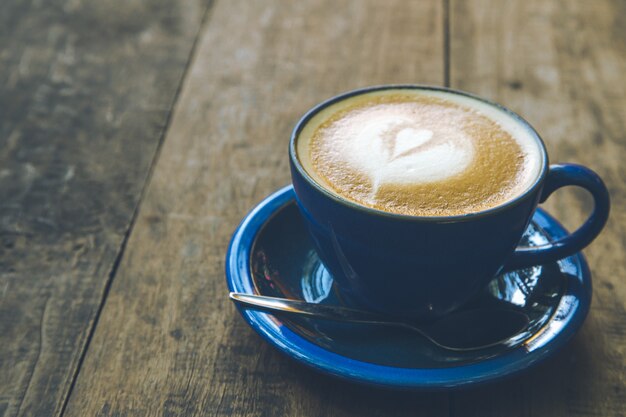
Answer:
[(293, 156)]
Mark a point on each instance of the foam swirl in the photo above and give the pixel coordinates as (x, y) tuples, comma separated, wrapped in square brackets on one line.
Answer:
[(394, 150)]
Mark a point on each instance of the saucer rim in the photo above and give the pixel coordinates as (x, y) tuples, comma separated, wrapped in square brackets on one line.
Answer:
[(239, 279)]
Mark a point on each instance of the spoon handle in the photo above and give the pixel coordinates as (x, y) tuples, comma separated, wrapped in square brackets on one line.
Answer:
[(303, 308)]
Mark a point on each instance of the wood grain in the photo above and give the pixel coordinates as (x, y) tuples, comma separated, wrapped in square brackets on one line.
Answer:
[(168, 341), (86, 90), (561, 65)]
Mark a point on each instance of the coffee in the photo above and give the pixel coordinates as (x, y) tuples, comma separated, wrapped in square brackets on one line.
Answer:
[(419, 152)]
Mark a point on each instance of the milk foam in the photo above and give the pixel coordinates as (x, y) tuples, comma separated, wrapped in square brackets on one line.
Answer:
[(396, 149), (419, 152)]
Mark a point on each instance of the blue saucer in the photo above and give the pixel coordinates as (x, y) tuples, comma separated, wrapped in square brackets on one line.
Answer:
[(271, 254)]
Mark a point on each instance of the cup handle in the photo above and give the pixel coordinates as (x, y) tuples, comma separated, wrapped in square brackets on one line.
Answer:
[(561, 175)]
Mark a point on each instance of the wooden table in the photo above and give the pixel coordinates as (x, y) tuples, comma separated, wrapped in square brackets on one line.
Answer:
[(136, 134)]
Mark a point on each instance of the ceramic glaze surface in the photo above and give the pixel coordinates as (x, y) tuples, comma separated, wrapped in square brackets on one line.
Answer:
[(441, 262), (271, 254)]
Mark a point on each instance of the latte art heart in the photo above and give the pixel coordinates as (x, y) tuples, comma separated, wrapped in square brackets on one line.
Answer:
[(409, 139), (392, 150)]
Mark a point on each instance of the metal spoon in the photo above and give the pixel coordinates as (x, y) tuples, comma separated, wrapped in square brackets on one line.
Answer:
[(462, 331)]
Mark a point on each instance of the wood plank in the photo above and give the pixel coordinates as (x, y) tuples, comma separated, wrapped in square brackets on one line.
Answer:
[(562, 65), (168, 341), (86, 91)]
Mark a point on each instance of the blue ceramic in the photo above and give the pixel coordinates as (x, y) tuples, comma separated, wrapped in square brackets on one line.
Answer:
[(272, 254), (425, 267)]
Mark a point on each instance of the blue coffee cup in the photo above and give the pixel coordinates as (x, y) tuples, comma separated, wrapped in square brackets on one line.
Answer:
[(425, 267)]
